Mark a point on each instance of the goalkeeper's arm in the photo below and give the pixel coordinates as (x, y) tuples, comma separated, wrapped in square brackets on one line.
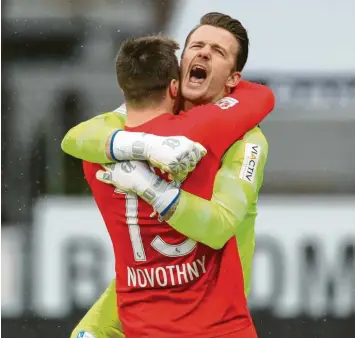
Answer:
[(214, 222), (88, 140)]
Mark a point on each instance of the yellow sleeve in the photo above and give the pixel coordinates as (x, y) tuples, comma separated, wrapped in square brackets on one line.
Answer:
[(87, 141), (102, 319), (235, 189)]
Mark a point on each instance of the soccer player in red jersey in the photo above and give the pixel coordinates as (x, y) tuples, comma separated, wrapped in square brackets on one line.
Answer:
[(169, 285)]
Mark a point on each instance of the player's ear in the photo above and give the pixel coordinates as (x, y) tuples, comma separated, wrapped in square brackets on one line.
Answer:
[(174, 88), (233, 79)]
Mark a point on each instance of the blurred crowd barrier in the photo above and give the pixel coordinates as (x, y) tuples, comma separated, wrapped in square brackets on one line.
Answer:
[(304, 264)]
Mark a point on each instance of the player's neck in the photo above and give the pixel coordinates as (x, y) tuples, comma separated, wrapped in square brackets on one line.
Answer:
[(188, 105), (138, 116)]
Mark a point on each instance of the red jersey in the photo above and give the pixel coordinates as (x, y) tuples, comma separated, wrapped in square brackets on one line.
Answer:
[(169, 285)]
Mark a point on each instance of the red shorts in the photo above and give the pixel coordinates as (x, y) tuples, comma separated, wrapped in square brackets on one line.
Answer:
[(249, 332)]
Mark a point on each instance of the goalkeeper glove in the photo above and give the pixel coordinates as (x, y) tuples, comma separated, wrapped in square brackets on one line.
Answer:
[(136, 177), (176, 155)]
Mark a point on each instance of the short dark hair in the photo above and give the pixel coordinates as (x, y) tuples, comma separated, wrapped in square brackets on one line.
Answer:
[(231, 25), (145, 67)]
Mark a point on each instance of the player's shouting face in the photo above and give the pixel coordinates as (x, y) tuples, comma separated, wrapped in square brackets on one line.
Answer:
[(208, 66)]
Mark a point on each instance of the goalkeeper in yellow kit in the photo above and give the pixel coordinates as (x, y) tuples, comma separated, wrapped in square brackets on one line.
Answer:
[(236, 190)]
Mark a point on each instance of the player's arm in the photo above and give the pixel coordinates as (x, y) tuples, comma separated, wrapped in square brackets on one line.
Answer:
[(96, 141), (215, 126), (236, 186), (88, 140), (102, 319), (218, 126), (232, 117)]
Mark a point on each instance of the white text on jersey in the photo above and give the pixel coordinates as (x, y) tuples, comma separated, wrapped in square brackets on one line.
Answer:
[(166, 276)]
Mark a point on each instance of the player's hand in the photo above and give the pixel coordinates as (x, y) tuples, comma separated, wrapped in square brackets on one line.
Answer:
[(136, 177), (127, 176), (176, 155)]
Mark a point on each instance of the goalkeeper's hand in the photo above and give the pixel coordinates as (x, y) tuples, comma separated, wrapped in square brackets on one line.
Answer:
[(136, 177), (176, 155)]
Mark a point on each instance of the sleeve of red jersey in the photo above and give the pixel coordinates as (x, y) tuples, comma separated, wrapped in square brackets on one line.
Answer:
[(219, 125)]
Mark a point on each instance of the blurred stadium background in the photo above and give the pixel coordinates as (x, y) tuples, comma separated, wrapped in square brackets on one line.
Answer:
[(58, 69)]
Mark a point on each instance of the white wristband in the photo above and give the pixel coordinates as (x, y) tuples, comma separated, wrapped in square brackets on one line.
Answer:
[(129, 146), (161, 195), (166, 201)]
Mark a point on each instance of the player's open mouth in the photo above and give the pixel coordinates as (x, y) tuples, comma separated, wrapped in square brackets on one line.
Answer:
[(198, 74)]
